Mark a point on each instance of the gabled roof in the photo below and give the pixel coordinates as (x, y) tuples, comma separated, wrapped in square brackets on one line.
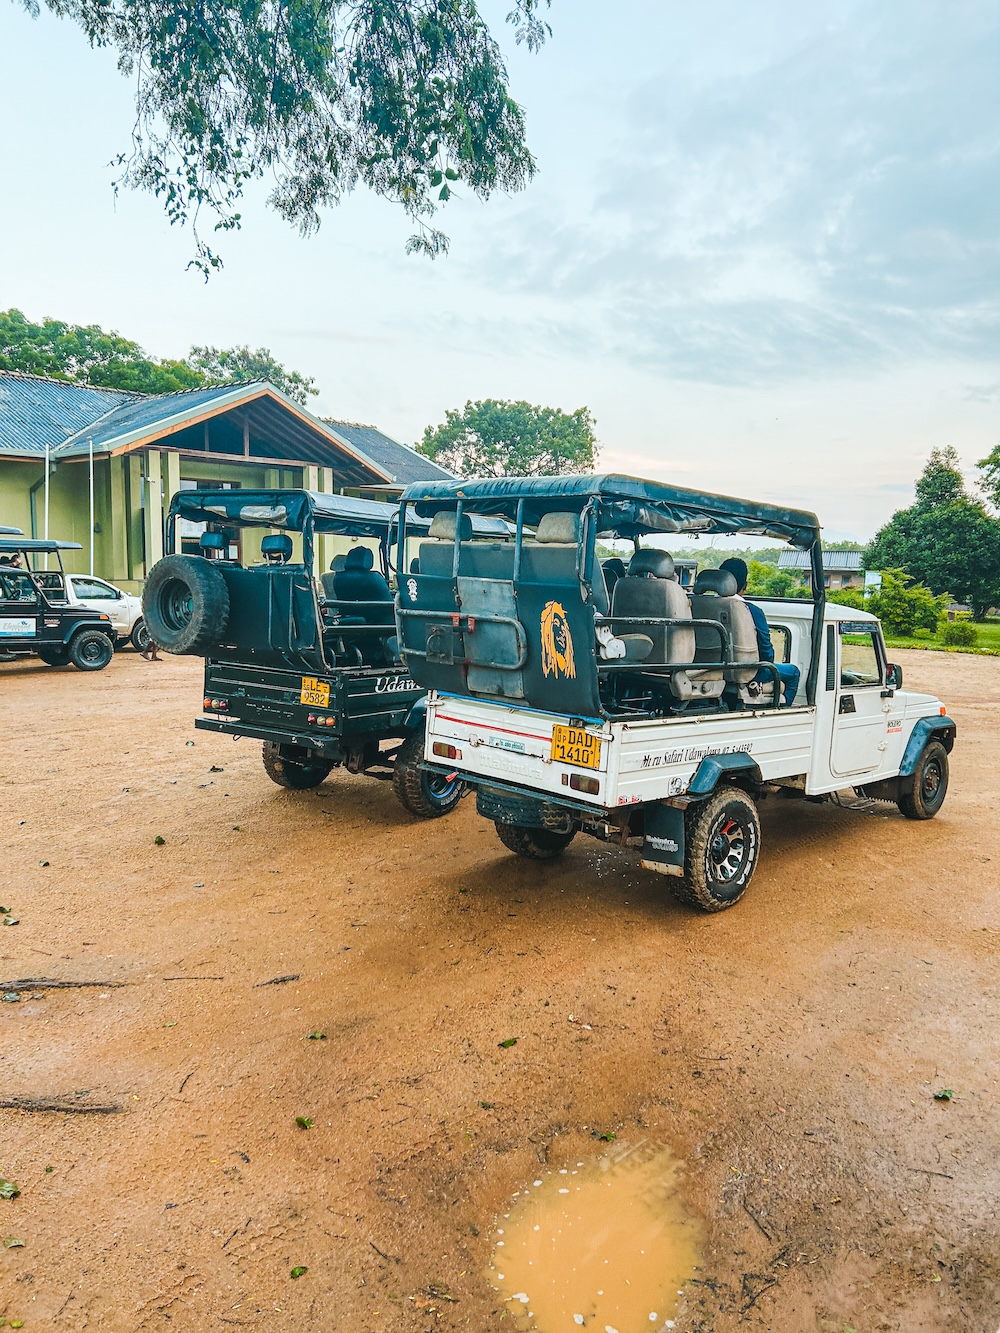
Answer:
[(35, 412), (403, 464), (836, 562), (70, 418)]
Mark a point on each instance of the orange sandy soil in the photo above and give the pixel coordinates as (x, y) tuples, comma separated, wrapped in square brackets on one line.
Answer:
[(788, 1049)]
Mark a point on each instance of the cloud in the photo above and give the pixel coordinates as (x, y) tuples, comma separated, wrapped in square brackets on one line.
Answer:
[(831, 210)]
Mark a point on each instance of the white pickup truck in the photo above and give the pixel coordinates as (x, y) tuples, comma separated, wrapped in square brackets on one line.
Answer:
[(123, 609), (644, 712)]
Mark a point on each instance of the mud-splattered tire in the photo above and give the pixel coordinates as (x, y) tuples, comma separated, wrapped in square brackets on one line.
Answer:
[(722, 842), (930, 784), (185, 604), (537, 844), (294, 767), (139, 638), (425, 794), (57, 657), (91, 650)]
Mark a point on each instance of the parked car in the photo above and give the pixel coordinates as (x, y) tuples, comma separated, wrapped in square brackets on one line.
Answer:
[(306, 664), (123, 609), (35, 614), (649, 715)]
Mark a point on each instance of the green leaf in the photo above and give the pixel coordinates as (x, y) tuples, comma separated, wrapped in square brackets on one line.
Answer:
[(436, 179), (159, 842), (8, 1190), (11, 921), (510, 1041), (463, 890), (299, 1270), (189, 742), (451, 174), (444, 194), (487, 1106), (49, 1170), (317, 1036), (12, 1243), (303, 1122), (5, 910), (607, 1137), (944, 1095)]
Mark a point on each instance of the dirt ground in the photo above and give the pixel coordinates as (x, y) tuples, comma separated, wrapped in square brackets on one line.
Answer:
[(788, 1049)]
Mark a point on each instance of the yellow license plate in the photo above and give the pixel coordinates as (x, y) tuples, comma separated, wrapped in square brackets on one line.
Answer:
[(315, 693), (573, 745)]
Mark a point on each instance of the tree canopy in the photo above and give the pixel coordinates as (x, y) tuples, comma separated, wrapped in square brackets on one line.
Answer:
[(86, 354), (408, 97), (493, 438), (945, 538)]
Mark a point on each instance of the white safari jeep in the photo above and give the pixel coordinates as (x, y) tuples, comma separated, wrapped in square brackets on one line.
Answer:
[(576, 698)]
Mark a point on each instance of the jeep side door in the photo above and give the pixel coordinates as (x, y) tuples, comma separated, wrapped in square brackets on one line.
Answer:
[(863, 704), (20, 607)]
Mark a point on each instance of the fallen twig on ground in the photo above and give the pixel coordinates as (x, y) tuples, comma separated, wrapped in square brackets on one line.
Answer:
[(59, 1104)]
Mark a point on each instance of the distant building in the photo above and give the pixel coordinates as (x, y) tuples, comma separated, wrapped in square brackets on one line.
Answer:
[(132, 452), (841, 569)]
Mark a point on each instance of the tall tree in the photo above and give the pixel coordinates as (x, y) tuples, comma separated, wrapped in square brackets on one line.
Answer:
[(945, 539), (238, 365), (990, 469), (86, 354), (408, 97), (493, 438)]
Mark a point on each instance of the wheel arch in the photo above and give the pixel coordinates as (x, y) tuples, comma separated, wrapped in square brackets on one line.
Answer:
[(739, 769), (926, 729)]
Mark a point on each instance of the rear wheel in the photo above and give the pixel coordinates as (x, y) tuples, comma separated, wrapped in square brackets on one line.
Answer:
[(425, 794), (537, 844), (722, 838), (185, 604), (57, 657), (91, 650), (140, 638), (930, 784), (294, 767)]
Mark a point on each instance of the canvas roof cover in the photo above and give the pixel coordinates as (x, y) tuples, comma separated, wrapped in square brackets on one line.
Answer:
[(9, 545), (627, 506), (344, 515)]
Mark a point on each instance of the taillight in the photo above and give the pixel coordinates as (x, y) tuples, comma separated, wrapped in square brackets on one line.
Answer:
[(215, 705), (580, 783), (444, 751)]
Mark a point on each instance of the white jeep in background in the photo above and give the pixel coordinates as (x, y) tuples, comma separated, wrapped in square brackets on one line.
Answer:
[(123, 609)]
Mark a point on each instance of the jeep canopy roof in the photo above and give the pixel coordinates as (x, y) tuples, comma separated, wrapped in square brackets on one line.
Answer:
[(625, 506), (299, 511), (18, 532), (10, 545)]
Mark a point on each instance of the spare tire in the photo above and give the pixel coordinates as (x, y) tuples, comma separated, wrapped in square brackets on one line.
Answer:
[(185, 604)]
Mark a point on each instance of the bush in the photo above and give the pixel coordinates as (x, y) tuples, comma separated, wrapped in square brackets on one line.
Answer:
[(960, 634), (854, 597), (905, 606)]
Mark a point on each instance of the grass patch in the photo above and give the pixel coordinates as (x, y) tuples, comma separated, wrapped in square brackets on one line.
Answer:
[(988, 645)]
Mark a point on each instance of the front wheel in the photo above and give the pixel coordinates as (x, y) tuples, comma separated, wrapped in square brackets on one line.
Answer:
[(537, 844), (140, 638), (722, 837), (91, 650), (930, 784), (425, 794), (294, 767)]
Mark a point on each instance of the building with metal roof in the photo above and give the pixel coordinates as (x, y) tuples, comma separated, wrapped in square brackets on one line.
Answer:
[(99, 466), (841, 569)]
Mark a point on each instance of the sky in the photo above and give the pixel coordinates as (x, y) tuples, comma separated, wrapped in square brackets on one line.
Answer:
[(763, 246)]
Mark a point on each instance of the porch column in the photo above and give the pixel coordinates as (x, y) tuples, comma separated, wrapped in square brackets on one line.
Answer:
[(133, 495), (118, 514), (310, 479), (153, 509), (171, 478), (326, 480)]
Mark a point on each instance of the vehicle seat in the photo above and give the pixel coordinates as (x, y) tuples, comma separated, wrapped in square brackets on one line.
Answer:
[(614, 569), (358, 581), (276, 548), (336, 565), (211, 544), (714, 598), (650, 591), (437, 555)]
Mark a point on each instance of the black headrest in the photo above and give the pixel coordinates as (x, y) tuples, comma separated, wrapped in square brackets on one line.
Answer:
[(359, 557), (614, 566), (212, 541), (652, 563), (719, 581), (276, 543)]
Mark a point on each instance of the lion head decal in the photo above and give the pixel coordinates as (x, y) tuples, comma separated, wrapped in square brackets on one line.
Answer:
[(557, 642)]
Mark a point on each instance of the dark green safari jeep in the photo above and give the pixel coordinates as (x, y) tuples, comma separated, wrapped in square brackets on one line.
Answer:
[(309, 665), (35, 616)]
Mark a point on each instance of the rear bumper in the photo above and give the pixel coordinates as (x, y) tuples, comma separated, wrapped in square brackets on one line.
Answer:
[(328, 746)]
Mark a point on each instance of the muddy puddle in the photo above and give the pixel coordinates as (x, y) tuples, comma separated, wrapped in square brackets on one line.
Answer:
[(604, 1244)]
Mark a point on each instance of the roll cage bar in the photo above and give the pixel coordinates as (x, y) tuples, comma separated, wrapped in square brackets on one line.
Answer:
[(617, 506)]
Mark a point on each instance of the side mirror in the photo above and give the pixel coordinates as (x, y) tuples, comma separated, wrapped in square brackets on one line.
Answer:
[(894, 676)]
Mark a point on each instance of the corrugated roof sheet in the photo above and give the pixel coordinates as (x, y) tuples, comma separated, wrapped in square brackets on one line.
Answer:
[(143, 414), (403, 463), (836, 562), (36, 411)]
